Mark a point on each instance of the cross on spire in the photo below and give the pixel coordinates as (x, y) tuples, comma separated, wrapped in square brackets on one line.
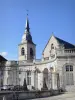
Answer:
[(27, 12)]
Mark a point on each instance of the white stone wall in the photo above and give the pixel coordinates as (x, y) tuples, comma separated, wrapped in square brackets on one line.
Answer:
[(47, 49), (11, 76), (21, 57), (39, 79), (62, 62), (27, 47), (57, 63), (5, 77)]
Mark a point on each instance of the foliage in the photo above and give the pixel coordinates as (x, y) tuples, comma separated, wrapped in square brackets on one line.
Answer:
[(25, 85), (44, 85)]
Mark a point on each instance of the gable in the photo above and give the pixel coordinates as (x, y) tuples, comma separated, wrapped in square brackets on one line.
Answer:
[(46, 51)]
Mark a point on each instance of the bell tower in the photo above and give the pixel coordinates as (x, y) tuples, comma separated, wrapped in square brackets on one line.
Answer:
[(26, 49)]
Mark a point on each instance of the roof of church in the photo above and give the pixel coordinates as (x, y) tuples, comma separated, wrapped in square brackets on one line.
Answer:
[(27, 36), (27, 25), (67, 45), (2, 58)]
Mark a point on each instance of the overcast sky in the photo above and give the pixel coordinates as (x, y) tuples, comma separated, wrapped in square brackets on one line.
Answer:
[(45, 17)]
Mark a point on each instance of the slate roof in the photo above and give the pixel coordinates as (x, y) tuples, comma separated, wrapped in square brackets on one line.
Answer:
[(66, 44), (2, 58)]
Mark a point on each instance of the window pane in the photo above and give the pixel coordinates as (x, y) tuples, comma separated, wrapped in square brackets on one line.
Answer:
[(71, 68), (67, 68), (71, 79), (67, 79)]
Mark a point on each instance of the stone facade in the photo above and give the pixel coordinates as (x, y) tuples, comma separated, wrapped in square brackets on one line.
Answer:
[(54, 70)]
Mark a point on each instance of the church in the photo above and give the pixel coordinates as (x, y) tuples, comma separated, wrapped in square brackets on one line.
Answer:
[(55, 70)]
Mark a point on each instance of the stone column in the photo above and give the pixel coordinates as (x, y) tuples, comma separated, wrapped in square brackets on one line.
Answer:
[(5, 77), (36, 80), (40, 80), (54, 80)]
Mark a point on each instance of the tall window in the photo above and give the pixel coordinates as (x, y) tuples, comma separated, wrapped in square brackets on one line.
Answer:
[(31, 52), (22, 51), (69, 75), (28, 77), (52, 46)]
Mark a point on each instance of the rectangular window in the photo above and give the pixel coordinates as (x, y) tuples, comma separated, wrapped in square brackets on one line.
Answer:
[(71, 68), (67, 79), (69, 75), (28, 78), (67, 68), (71, 79)]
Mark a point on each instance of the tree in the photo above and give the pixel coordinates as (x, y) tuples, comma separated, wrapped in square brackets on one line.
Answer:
[(44, 85), (25, 85)]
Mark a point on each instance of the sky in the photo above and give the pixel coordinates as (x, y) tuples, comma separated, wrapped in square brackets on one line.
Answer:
[(45, 17)]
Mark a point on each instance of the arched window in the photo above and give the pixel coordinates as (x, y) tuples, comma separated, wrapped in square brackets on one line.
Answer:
[(52, 46), (22, 51), (31, 52)]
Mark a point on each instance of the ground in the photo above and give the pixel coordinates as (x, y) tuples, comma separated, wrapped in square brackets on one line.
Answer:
[(66, 96)]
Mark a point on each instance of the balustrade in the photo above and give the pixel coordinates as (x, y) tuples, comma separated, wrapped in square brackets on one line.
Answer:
[(65, 52)]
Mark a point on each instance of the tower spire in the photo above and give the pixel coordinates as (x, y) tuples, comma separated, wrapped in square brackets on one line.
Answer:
[(27, 24)]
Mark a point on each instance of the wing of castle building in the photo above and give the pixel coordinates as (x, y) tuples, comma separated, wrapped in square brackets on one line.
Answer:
[(54, 70)]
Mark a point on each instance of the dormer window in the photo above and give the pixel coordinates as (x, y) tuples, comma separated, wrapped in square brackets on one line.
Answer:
[(22, 51), (52, 46)]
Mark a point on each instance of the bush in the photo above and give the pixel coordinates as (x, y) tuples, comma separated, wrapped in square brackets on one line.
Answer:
[(17, 88)]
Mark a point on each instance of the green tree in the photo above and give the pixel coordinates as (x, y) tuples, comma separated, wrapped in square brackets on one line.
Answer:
[(25, 85), (44, 85)]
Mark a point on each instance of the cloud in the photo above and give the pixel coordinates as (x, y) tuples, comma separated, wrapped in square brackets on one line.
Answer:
[(3, 54)]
